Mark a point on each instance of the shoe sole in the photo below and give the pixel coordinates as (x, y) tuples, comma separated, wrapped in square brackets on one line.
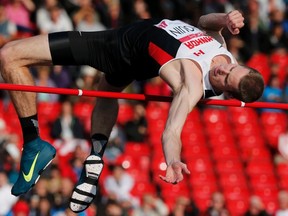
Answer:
[(84, 193)]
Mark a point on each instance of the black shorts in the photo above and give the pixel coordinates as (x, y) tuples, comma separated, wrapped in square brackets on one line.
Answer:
[(96, 49)]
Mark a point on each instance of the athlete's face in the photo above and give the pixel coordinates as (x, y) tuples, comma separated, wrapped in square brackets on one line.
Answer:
[(226, 77)]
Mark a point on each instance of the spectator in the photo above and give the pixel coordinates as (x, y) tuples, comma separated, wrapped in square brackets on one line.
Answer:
[(223, 6), (136, 129), (116, 144), (69, 137), (4, 134), (54, 179), (141, 10), (278, 30), (7, 200), (254, 33), (44, 207), (41, 189), (60, 75), (283, 204), (12, 157), (184, 207), (282, 148), (113, 208), (70, 164), (114, 14), (118, 186), (217, 207), (19, 12), (67, 126), (21, 208), (33, 205), (43, 13), (86, 18), (62, 196), (8, 29), (56, 21), (88, 80), (273, 93), (43, 79), (256, 207), (89, 21), (152, 206), (235, 44)]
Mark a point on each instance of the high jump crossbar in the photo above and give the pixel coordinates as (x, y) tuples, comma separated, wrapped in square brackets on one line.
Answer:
[(140, 97)]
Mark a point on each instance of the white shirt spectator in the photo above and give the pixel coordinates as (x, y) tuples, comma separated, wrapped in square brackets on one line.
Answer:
[(56, 21), (7, 200), (120, 184)]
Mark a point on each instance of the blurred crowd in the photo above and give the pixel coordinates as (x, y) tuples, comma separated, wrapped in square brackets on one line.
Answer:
[(262, 44)]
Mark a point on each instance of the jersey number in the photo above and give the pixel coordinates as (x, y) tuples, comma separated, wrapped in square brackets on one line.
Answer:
[(200, 52)]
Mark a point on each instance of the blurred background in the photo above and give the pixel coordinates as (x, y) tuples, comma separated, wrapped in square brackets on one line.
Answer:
[(238, 157)]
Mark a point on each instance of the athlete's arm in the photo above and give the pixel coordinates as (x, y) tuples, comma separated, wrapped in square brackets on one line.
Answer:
[(214, 23), (186, 81)]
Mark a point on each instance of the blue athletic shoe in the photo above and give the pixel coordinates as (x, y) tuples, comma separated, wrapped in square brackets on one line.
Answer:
[(86, 188), (36, 156)]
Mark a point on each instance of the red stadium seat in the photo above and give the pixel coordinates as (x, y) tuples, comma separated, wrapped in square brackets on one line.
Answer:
[(202, 178), (240, 116), (214, 115), (282, 169), (263, 180), (266, 192), (137, 149), (251, 140), (255, 153), (141, 188), (217, 127), (273, 118), (192, 126), (225, 152), (200, 164), (125, 113), (194, 151), (283, 183), (236, 178), (221, 139), (258, 168), (260, 62), (155, 112), (194, 137), (228, 165), (271, 205), (204, 190), (237, 207), (236, 192), (247, 129), (83, 111)]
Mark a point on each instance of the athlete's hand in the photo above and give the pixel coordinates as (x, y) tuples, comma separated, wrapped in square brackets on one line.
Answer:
[(234, 21), (174, 172)]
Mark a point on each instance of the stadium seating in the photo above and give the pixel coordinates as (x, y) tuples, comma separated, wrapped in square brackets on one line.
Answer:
[(226, 150)]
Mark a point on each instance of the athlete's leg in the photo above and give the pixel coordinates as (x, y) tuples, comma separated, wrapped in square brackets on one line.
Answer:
[(15, 59), (105, 111), (103, 119)]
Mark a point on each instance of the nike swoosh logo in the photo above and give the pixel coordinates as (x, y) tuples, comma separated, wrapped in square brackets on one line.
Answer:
[(28, 177)]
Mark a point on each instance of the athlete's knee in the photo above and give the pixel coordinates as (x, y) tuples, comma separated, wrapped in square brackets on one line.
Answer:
[(8, 58)]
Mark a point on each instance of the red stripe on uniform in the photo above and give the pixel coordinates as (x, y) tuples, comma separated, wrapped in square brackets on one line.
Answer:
[(159, 54)]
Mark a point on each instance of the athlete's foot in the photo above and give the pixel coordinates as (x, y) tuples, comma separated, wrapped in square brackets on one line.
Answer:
[(86, 188), (36, 156)]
